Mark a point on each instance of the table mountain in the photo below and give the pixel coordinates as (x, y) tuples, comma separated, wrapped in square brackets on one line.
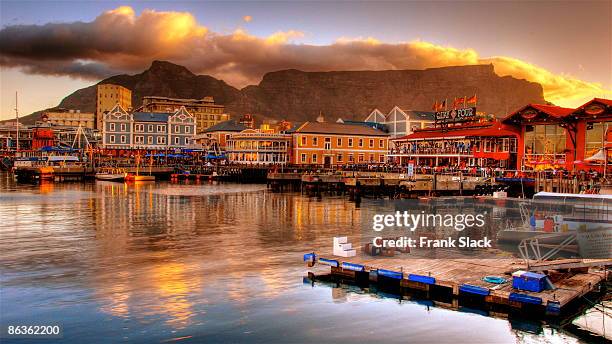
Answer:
[(296, 95)]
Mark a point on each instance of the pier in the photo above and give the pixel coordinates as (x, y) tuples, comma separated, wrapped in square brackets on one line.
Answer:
[(463, 278)]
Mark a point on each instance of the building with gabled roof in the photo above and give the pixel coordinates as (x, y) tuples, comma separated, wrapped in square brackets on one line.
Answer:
[(402, 122), (324, 143), (147, 130)]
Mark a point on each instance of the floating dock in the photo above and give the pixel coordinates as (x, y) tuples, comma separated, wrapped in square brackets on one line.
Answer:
[(465, 277)]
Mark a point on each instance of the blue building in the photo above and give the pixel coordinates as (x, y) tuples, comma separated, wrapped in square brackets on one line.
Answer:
[(147, 130)]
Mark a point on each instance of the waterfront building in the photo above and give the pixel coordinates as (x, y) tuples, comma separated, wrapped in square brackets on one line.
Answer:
[(252, 146), (400, 122), (476, 143), (557, 137), (247, 120), (205, 111), (323, 143), (147, 130), (219, 134), (9, 132), (109, 95), (70, 118)]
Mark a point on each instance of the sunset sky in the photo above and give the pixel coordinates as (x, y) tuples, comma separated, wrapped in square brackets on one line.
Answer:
[(50, 49)]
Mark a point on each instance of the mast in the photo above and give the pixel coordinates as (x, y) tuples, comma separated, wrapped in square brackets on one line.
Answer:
[(16, 124)]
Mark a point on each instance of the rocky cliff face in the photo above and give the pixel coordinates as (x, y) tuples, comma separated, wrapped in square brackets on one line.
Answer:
[(298, 96)]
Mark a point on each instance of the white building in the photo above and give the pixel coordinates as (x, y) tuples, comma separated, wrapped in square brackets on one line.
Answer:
[(401, 122)]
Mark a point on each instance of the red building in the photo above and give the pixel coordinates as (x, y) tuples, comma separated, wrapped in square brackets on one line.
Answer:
[(472, 143), (557, 137)]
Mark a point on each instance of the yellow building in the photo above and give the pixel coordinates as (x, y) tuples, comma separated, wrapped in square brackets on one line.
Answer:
[(70, 118), (205, 111), (109, 95)]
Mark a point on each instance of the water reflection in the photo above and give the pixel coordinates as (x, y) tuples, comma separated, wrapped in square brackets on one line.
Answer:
[(218, 262)]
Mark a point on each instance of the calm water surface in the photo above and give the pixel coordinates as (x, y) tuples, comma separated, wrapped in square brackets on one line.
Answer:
[(192, 263)]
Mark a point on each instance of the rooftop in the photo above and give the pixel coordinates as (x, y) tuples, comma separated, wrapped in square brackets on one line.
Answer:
[(230, 125), (335, 128), (150, 116)]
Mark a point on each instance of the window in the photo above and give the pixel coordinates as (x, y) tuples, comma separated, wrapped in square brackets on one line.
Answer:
[(371, 158), (161, 140), (339, 158), (123, 139), (381, 143), (123, 127), (139, 128), (150, 129), (314, 158), (161, 129), (544, 139), (177, 129), (371, 143), (360, 142), (381, 158), (176, 140), (139, 139), (188, 129), (595, 137), (350, 142), (351, 158), (303, 143), (303, 158), (150, 140), (186, 140), (339, 142), (111, 138), (327, 143), (361, 157), (315, 141), (111, 127)]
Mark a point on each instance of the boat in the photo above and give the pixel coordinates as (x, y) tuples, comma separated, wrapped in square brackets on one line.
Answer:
[(553, 217), (137, 177), (111, 174)]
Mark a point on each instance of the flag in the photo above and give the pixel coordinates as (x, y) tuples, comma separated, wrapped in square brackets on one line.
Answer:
[(435, 106), (458, 101), (472, 100), (443, 104)]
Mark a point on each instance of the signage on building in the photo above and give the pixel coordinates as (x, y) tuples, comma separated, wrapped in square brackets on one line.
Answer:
[(529, 114), (456, 115), (594, 109)]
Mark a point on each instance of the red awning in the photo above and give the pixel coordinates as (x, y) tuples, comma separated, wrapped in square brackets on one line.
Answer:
[(493, 131)]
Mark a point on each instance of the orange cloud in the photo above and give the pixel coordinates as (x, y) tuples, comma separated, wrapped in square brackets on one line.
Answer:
[(247, 19), (119, 40)]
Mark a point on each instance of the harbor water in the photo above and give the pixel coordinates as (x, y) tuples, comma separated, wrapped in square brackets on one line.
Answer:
[(161, 262)]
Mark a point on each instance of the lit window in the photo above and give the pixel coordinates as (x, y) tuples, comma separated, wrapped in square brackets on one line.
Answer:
[(303, 157)]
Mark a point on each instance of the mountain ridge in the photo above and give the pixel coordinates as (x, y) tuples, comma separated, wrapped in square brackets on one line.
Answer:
[(297, 95)]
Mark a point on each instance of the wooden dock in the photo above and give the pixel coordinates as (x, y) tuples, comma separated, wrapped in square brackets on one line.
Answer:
[(464, 277), (387, 183)]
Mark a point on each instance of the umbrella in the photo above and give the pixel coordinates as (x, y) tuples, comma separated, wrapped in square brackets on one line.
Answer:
[(599, 156)]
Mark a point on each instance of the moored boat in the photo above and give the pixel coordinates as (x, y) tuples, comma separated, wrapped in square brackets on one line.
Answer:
[(113, 175), (139, 178)]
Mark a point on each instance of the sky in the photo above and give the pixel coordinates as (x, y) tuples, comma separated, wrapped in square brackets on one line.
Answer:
[(48, 49)]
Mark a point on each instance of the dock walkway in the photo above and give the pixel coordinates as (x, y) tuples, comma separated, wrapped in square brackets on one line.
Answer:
[(465, 277)]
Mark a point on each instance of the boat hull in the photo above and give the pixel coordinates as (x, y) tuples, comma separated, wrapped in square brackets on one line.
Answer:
[(110, 177)]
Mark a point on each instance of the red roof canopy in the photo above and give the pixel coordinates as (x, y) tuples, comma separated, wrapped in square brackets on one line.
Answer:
[(496, 129), (550, 110)]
